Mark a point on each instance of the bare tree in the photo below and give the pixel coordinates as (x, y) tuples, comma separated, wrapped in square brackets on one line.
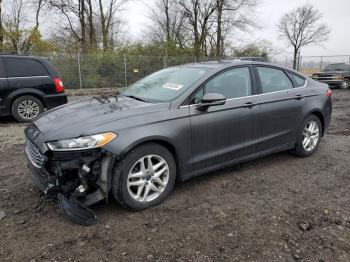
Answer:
[(13, 23), (301, 27), (74, 13), (108, 19), (28, 40), (89, 21), (199, 14), (1, 27), (167, 24), (16, 33), (92, 31), (39, 5), (232, 14), (81, 14)]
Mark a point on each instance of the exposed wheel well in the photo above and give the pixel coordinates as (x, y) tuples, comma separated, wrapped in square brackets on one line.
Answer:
[(320, 116), (171, 149)]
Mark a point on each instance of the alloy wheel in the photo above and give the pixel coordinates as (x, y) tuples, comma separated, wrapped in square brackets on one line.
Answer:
[(148, 178), (346, 84), (28, 109), (311, 135)]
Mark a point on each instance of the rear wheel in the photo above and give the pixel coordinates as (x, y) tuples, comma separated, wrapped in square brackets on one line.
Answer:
[(144, 177), (27, 108), (309, 137)]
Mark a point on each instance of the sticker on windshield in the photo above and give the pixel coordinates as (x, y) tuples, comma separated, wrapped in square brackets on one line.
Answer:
[(173, 86)]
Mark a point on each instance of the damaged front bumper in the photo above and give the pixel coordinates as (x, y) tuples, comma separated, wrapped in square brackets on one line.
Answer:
[(75, 211), (77, 179)]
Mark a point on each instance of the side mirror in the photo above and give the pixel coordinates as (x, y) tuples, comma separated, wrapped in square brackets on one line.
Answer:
[(211, 99)]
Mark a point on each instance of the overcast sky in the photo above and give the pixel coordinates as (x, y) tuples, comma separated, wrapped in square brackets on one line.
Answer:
[(336, 13)]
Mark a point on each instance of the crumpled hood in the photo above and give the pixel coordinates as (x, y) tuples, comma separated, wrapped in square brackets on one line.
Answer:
[(80, 118)]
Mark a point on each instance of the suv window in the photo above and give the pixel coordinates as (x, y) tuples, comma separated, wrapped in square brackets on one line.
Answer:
[(298, 80), (273, 80), (22, 67)]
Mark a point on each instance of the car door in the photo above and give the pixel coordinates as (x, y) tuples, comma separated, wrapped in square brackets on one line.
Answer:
[(280, 108), (223, 133), (3, 88)]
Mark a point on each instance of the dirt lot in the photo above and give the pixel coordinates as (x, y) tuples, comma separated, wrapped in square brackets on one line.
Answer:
[(279, 208)]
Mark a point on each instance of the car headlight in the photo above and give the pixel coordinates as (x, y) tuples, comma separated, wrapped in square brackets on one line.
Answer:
[(80, 143)]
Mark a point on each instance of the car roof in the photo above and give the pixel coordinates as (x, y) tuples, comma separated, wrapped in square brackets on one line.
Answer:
[(20, 56), (222, 64)]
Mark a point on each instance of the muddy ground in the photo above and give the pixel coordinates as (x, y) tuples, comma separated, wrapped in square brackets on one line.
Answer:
[(279, 208)]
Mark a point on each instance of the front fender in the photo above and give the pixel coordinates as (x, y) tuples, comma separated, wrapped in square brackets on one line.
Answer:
[(122, 151), (175, 134)]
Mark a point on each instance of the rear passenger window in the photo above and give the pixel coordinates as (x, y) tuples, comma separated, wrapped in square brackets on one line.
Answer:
[(273, 80), (22, 67), (298, 81)]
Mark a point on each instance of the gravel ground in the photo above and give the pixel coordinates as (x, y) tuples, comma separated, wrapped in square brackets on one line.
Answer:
[(278, 208)]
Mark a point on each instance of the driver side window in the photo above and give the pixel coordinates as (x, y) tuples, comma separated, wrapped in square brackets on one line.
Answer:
[(233, 83)]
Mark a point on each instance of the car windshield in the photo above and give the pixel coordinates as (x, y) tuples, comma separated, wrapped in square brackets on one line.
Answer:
[(337, 67), (165, 85)]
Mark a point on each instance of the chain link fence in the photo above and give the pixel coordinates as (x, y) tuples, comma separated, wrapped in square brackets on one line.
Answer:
[(110, 70), (286, 62), (106, 70)]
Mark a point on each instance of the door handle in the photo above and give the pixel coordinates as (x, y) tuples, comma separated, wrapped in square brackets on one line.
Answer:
[(249, 104), (298, 96)]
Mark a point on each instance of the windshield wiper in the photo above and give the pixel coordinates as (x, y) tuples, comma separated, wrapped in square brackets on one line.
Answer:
[(137, 98)]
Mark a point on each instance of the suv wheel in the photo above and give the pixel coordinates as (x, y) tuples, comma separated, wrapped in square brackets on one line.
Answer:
[(309, 137), (346, 84), (144, 177), (27, 108)]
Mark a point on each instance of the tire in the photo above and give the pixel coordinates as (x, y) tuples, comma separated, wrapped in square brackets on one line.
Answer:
[(23, 103), (305, 150), (134, 196), (346, 84)]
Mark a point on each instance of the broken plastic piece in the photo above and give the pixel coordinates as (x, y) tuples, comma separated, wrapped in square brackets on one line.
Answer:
[(86, 168), (75, 211)]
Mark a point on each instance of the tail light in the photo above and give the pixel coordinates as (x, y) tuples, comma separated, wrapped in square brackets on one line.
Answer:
[(58, 85), (329, 93)]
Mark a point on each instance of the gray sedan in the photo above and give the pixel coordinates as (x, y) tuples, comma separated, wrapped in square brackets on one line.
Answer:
[(175, 124)]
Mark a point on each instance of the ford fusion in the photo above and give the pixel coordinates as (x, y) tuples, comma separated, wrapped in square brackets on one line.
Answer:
[(170, 126)]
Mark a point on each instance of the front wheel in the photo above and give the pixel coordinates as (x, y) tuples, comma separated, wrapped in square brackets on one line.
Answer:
[(309, 137), (144, 177), (346, 84)]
